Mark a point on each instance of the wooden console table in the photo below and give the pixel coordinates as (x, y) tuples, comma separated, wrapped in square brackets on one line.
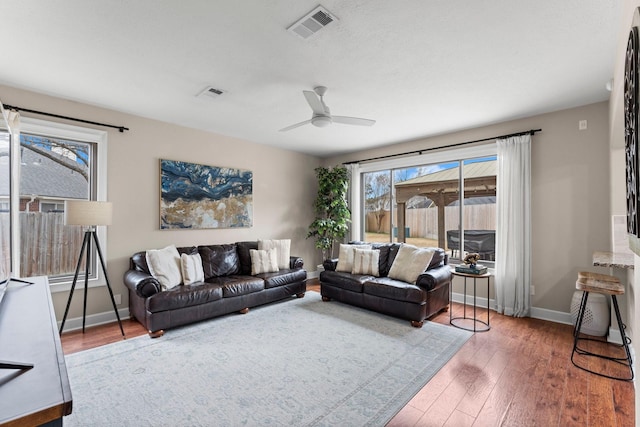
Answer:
[(29, 334)]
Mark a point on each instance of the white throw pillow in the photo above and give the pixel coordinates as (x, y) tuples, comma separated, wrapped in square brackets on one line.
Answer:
[(345, 257), (410, 263), (365, 261), (164, 265), (191, 267), (283, 250), (263, 261)]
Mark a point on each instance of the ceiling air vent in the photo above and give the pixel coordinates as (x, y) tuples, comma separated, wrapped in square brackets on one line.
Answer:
[(312, 22), (210, 92)]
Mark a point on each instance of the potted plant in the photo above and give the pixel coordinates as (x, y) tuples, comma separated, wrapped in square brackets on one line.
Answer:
[(332, 212)]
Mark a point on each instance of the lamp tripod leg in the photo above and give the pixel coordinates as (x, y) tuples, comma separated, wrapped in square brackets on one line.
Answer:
[(106, 278), (75, 279), (86, 282)]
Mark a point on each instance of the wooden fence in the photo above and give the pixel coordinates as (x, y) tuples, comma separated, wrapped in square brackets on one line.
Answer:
[(50, 247), (423, 222), (47, 245)]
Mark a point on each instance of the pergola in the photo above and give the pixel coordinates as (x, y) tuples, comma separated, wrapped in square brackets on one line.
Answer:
[(443, 188)]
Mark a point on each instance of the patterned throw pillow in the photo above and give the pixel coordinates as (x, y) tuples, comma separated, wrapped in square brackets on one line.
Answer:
[(164, 265), (263, 261), (345, 257), (191, 266), (283, 250), (410, 262), (365, 261)]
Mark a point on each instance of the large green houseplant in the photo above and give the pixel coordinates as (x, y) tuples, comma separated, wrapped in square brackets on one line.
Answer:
[(332, 212)]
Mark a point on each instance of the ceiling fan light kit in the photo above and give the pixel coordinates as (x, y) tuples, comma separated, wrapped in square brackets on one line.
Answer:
[(322, 115), (321, 121)]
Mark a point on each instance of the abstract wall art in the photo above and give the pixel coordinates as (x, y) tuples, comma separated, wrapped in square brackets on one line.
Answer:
[(199, 196)]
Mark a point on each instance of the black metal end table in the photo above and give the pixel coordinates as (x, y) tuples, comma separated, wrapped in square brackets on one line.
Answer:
[(478, 324)]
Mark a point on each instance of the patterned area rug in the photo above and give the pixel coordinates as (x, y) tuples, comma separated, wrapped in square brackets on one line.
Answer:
[(300, 362)]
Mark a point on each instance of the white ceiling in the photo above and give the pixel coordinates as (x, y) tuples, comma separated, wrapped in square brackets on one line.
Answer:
[(419, 67)]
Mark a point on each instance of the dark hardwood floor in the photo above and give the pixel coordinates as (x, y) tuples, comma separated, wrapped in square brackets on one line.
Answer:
[(517, 374)]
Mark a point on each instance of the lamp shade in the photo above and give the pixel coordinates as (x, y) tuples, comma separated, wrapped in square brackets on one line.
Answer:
[(87, 212)]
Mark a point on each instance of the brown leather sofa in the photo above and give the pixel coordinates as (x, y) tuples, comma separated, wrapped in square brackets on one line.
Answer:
[(228, 287), (414, 302)]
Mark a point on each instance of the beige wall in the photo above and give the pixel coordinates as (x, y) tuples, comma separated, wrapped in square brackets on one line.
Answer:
[(570, 191), (283, 189)]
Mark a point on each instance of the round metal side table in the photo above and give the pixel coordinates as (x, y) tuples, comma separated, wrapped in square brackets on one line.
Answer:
[(478, 324)]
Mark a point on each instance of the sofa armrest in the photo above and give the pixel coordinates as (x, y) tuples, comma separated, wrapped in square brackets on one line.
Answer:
[(330, 264), (295, 262), (143, 284), (434, 277)]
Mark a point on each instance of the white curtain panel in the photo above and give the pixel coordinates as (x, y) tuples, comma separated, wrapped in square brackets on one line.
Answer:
[(353, 199), (513, 245), (13, 121)]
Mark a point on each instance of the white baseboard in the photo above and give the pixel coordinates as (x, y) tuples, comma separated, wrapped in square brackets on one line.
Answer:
[(536, 313), (552, 316), (614, 335), (313, 274), (74, 324)]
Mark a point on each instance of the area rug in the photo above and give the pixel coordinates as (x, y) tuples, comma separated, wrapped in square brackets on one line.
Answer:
[(300, 362)]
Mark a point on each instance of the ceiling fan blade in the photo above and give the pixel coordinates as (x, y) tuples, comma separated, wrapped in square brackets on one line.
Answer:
[(297, 125), (353, 121), (314, 102)]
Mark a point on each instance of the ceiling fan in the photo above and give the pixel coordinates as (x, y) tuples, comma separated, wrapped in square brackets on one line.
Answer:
[(322, 116)]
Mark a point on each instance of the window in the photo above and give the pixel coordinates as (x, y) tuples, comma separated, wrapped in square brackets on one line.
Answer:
[(57, 163), (377, 202), (426, 197), (51, 207), (420, 203), (5, 259)]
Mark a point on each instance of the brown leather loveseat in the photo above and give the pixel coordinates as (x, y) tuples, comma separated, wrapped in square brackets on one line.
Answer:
[(228, 287), (412, 301)]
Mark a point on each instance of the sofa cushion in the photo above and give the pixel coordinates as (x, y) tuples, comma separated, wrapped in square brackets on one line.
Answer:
[(282, 247), (343, 280), (191, 267), (385, 287), (139, 259), (219, 260), (365, 261), (139, 262), (189, 250), (164, 265), (233, 286), (244, 255), (438, 259), (283, 277), (410, 262), (263, 261), (345, 257), (388, 252), (183, 296)]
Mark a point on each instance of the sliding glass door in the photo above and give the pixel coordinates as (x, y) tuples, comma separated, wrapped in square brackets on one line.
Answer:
[(448, 204), (377, 206)]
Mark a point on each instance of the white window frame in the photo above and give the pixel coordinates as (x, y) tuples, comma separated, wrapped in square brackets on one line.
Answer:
[(429, 157), (75, 133)]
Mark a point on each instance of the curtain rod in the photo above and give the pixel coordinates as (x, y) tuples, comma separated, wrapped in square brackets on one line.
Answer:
[(529, 132), (12, 107)]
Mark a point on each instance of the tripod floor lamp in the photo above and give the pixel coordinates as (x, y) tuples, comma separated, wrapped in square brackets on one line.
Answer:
[(90, 214)]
